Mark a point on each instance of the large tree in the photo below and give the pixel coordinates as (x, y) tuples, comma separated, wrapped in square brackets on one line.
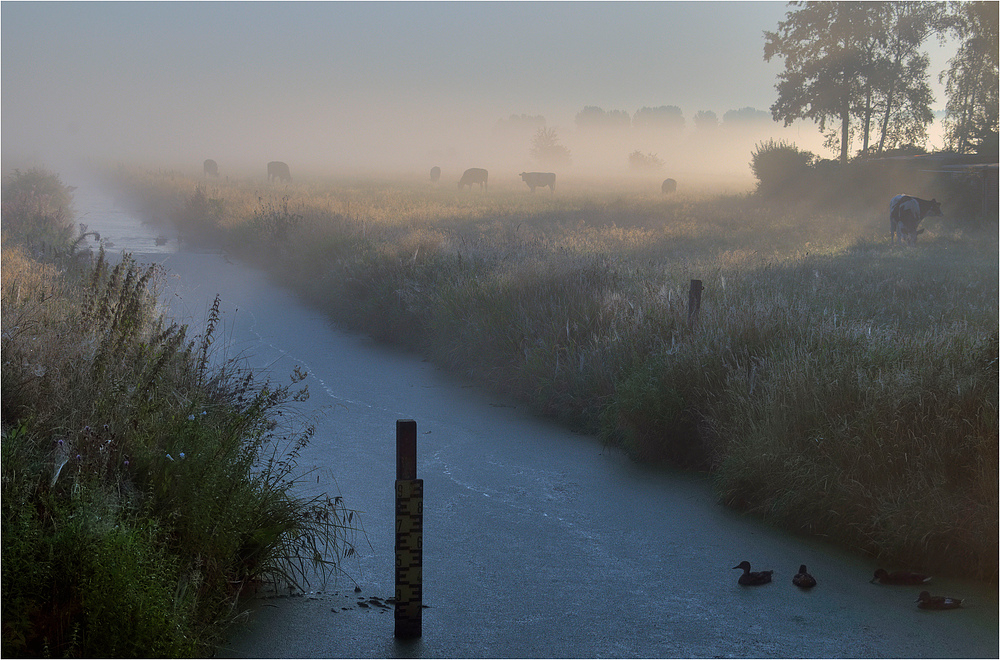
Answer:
[(971, 79), (854, 60)]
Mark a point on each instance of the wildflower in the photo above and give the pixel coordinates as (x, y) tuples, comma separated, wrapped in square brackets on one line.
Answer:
[(182, 456), (79, 457), (126, 462), (190, 418), (204, 412)]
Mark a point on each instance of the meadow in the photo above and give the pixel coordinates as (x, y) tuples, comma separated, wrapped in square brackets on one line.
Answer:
[(147, 483), (831, 384)]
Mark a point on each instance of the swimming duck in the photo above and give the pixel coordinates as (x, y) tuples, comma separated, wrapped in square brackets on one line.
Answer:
[(899, 577), (749, 579), (925, 601), (803, 579)]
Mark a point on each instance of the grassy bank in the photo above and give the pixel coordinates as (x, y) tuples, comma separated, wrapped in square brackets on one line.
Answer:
[(832, 384), (145, 485)]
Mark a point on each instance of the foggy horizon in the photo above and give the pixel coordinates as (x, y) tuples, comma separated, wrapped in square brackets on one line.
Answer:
[(384, 86)]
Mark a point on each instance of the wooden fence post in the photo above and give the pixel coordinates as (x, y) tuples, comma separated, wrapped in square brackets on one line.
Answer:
[(694, 302)]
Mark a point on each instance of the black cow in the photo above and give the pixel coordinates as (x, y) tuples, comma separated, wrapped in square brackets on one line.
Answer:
[(539, 180), (905, 213), (475, 175), (211, 168), (669, 186), (435, 173), (278, 170)]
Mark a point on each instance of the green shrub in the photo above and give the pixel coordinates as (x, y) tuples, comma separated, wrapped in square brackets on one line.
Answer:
[(779, 168)]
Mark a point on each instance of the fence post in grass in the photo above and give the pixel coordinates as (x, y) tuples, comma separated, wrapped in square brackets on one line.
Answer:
[(409, 532), (694, 302)]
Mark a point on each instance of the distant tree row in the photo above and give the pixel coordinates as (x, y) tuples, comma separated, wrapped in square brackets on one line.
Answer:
[(667, 118), (858, 71)]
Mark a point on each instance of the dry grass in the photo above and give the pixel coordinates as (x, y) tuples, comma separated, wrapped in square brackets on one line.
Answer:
[(833, 384)]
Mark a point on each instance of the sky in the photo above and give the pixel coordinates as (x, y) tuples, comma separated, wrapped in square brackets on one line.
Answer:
[(392, 84)]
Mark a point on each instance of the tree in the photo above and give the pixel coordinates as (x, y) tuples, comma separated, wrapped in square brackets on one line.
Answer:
[(847, 60), (971, 80), (745, 116), (896, 81), (592, 117), (523, 124), (545, 148), (706, 120), (667, 117)]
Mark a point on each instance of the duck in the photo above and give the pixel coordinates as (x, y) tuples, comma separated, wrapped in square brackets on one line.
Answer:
[(926, 601), (899, 577), (803, 579), (750, 579)]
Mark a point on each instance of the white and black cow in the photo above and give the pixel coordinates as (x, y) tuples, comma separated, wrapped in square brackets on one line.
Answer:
[(905, 214), (539, 180)]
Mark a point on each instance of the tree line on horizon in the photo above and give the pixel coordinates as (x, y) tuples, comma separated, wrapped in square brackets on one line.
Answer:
[(857, 70)]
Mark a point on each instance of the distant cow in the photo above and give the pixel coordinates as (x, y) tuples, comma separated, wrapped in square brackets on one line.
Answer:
[(669, 186), (475, 175), (435, 173), (905, 213), (539, 180), (278, 170), (211, 168)]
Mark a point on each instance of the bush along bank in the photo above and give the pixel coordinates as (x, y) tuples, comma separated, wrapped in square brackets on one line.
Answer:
[(144, 486), (832, 385)]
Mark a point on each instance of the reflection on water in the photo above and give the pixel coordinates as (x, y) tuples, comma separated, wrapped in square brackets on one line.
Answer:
[(120, 227)]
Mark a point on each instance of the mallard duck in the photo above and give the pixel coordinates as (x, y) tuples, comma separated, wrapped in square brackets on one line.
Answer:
[(749, 579), (925, 601), (899, 577), (803, 579)]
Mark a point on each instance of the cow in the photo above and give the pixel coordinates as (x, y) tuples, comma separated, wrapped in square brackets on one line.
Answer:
[(435, 173), (905, 213), (539, 180), (211, 168), (475, 175), (278, 170), (669, 186)]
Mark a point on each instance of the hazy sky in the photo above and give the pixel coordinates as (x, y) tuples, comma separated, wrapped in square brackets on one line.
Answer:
[(260, 80)]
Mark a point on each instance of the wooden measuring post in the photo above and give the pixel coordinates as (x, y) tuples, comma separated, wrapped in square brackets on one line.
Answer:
[(694, 302), (409, 532)]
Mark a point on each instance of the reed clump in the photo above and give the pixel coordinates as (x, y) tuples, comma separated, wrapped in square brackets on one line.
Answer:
[(832, 384), (146, 484)]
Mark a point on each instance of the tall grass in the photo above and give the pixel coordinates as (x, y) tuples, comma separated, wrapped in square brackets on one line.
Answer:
[(833, 385), (145, 483)]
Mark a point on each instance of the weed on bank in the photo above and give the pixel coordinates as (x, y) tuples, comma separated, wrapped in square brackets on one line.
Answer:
[(144, 486)]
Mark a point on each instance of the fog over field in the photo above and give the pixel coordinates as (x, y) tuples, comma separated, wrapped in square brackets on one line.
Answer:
[(385, 86)]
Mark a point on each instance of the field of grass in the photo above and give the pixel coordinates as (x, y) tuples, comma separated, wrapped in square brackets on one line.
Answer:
[(145, 485), (832, 384)]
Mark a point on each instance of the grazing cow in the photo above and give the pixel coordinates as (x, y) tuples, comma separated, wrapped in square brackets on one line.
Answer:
[(539, 180), (905, 213), (278, 170), (211, 168), (669, 186), (475, 175), (435, 173)]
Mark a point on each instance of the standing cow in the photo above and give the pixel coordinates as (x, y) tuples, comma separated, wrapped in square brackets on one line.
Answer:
[(435, 173), (539, 180), (905, 213), (669, 186), (278, 170), (475, 175), (211, 168)]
